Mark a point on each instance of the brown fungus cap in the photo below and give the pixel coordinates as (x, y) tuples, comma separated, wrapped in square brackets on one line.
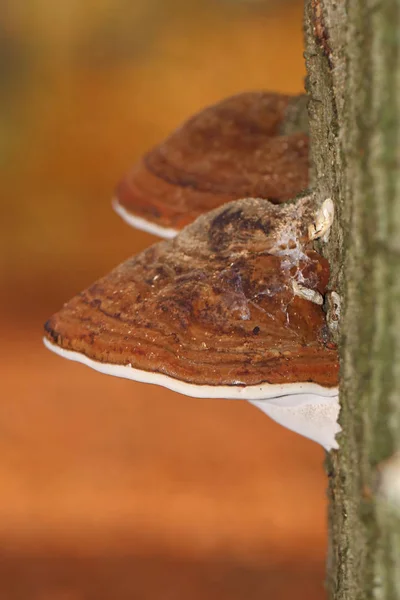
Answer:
[(215, 306), (233, 149)]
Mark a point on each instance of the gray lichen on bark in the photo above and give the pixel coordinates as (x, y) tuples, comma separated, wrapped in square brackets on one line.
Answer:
[(296, 117), (353, 64)]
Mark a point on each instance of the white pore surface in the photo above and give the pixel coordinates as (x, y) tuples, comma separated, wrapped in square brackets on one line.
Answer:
[(312, 416), (142, 224), (306, 408)]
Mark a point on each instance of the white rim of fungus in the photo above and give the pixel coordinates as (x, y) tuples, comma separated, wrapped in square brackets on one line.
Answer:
[(143, 224), (308, 409), (263, 391)]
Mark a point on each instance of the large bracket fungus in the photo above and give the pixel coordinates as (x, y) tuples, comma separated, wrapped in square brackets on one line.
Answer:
[(219, 311), (238, 148)]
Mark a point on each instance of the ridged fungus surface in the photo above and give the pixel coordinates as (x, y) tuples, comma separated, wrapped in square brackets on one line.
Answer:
[(213, 306)]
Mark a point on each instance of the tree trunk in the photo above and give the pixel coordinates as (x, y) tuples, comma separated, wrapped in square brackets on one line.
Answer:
[(353, 64)]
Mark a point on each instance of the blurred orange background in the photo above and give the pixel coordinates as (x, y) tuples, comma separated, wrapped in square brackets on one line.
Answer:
[(110, 489)]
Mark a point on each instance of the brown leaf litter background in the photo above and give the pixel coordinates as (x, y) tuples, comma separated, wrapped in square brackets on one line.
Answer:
[(111, 490)]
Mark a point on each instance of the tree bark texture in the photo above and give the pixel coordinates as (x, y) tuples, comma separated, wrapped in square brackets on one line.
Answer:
[(353, 82)]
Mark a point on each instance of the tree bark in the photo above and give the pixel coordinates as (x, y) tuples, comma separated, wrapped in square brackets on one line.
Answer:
[(353, 64)]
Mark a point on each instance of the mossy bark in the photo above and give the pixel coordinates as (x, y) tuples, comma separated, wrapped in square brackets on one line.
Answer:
[(353, 64)]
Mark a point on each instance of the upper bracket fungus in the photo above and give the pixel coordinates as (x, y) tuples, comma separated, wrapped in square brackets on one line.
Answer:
[(215, 312), (237, 148)]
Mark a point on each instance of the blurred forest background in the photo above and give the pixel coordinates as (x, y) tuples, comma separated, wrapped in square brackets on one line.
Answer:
[(110, 489)]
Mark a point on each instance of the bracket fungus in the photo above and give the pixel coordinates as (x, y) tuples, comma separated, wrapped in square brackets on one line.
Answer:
[(216, 313), (237, 148)]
